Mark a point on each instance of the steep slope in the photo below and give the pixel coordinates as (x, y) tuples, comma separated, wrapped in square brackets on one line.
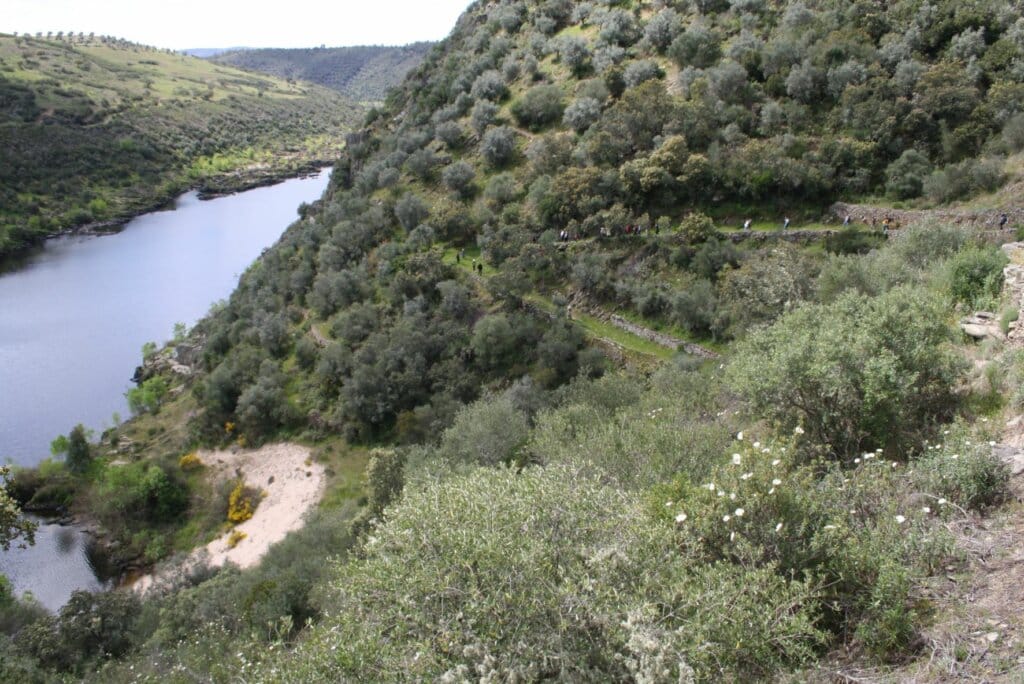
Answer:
[(95, 129), (535, 510), (363, 73)]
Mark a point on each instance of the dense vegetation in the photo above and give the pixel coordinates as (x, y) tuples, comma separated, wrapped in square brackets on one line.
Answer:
[(363, 73), (95, 130), (547, 497)]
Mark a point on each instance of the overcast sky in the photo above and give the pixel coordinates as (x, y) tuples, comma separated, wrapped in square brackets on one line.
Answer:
[(181, 24)]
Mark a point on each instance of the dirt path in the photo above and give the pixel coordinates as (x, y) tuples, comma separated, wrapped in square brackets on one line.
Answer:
[(292, 484)]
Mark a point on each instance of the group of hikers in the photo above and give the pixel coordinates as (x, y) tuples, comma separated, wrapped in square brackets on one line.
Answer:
[(748, 223), (477, 266)]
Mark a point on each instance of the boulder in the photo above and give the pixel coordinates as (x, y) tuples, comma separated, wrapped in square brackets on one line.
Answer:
[(982, 325)]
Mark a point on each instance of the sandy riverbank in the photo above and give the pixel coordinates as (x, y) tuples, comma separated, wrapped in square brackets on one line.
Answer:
[(292, 484)]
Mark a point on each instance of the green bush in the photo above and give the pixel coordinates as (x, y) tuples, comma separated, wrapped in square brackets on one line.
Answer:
[(546, 574), (538, 107), (859, 373), (976, 275)]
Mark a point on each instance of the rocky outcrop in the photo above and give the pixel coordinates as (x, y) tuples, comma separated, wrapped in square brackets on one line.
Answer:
[(982, 325)]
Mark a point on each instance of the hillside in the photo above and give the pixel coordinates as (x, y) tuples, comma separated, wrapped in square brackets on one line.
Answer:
[(96, 130), (362, 73), (606, 433)]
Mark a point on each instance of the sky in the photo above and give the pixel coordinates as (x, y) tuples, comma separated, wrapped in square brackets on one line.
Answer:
[(181, 24)]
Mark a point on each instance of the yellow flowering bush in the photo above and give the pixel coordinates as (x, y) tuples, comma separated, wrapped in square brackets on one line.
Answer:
[(190, 461), (242, 501)]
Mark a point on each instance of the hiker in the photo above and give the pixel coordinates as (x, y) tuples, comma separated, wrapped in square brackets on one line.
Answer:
[(785, 223), (480, 268), (746, 225), (458, 257), (1003, 218), (885, 225), (846, 221), (473, 266)]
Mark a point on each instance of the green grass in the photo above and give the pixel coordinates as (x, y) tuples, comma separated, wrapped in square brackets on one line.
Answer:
[(598, 328)]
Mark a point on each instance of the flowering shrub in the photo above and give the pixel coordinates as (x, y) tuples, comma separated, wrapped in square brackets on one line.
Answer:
[(235, 537), (850, 533), (242, 501), (190, 461)]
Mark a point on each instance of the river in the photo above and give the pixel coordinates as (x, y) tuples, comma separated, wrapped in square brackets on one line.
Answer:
[(74, 317)]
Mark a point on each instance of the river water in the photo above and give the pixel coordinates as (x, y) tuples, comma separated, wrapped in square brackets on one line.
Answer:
[(74, 317)]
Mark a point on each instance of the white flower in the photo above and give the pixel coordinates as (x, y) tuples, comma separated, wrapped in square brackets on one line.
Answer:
[(732, 536), (991, 443), (710, 486), (778, 527), (726, 518), (776, 482), (721, 493), (856, 460), (945, 432), (925, 509), (942, 502), (739, 512), (878, 450), (668, 504), (776, 462), (830, 527), (757, 445), (955, 456), (894, 464), (900, 519), (681, 518), (746, 476), (739, 435), (732, 496), (798, 430), (737, 459), (772, 490)]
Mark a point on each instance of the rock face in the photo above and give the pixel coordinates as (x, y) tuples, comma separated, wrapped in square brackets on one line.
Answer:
[(661, 338)]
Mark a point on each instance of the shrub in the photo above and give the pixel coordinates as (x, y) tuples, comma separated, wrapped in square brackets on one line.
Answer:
[(538, 107), (905, 176), (489, 86), (190, 461), (458, 178), (582, 113), (483, 115), (640, 71), (498, 146), (696, 228), (976, 275), (488, 432), (698, 46), (546, 574), (410, 211), (147, 397), (859, 373), (242, 502)]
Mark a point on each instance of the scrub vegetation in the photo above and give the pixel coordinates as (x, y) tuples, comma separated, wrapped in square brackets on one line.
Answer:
[(488, 309)]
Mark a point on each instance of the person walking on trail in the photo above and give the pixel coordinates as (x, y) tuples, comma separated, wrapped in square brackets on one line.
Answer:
[(746, 225), (1003, 218), (846, 221), (785, 223)]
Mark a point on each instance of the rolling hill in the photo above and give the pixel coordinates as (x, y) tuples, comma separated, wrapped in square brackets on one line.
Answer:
[(363, 73), (96, 130)]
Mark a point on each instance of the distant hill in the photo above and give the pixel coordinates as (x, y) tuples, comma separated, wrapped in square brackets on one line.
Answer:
[(100, 129), (206, 53), (364, 73)]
